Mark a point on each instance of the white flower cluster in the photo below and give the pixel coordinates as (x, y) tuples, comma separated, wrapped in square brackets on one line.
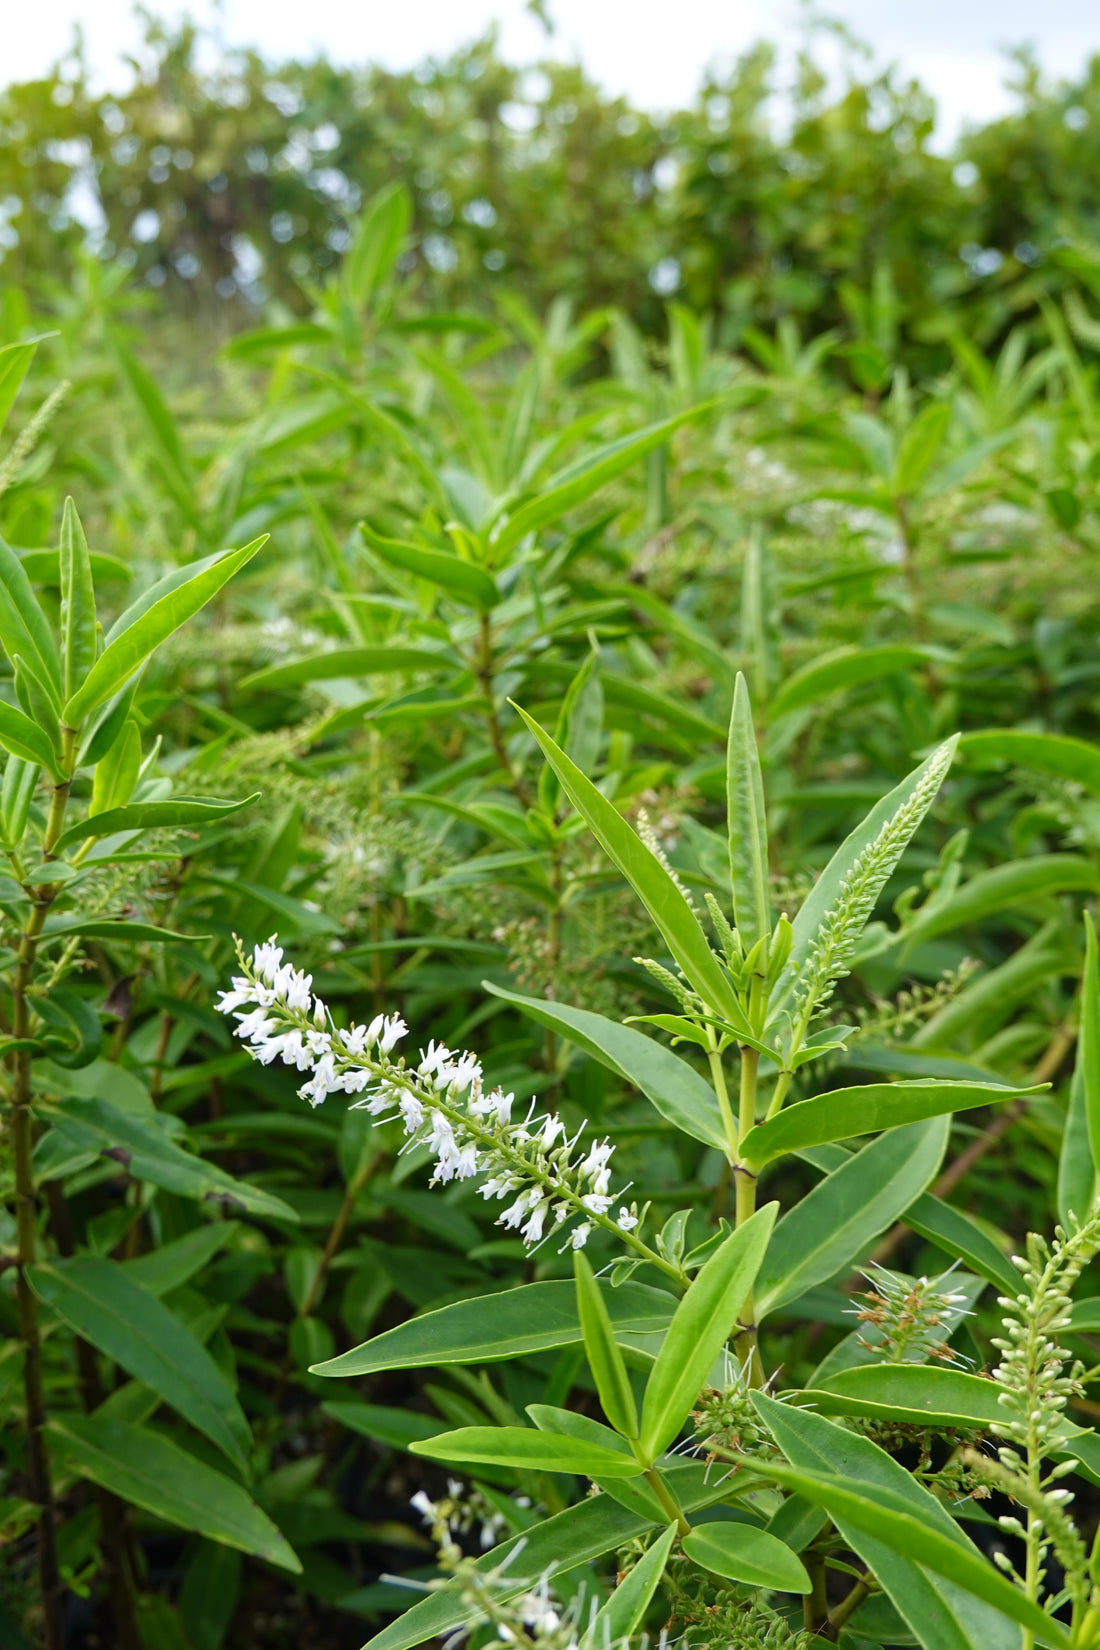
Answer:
[(442, 1103)]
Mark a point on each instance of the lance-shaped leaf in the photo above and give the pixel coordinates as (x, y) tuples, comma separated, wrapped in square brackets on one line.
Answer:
[(1089, 1047), (24, 629), (914, 1394), (1002, 887), (462, 580), (1053, 753), (847, 667), (625, 1610), (1076, 1170), (526, 1447), (25, 739), (747, 823), (106, 1305), (653, 885), (350, 661), (78, 624), (129, 648), (181, 811), (15, 362), (704, 1321), (741, 1553), (605, 1360), (149, 1471), (867, 1109), (676, 1089)]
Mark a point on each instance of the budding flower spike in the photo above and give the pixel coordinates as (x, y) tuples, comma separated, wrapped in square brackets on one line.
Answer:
[(442, 1103)]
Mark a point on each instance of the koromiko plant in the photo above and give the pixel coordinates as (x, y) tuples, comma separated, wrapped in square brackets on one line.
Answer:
[(79, 796), (809, 1489)]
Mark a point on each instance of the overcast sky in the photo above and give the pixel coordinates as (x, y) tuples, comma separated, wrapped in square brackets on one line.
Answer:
[(654, 51)]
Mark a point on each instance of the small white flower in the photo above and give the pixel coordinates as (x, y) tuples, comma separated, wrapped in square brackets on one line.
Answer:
[(254, 1026), (579, 1235), (466, 1164), (598, 1155), (412, 1112), (424, 1505), (532, 1232), (266, 959), (552, 1127), (229, 1000), (393, 1029), (596, 1204), (626, 1221)]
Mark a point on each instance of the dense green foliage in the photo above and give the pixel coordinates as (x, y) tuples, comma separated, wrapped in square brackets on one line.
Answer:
[(639, 522)]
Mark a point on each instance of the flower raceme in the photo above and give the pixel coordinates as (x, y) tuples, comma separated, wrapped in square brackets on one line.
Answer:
[(442, 1103)]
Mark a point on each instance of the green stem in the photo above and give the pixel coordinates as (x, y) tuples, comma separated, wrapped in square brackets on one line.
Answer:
[(839, 1615), (745, 1343), (484, 671), (664, 1496), (718, 1078)]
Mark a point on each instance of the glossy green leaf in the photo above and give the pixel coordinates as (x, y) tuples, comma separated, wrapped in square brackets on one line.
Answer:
[(191, 812), (746, 823), (15, 362), (139, 1145), (913, 1393), (837, 1222), (865, 1110), (1052, 753), (24, 629), (943, 1615), (532, 1318), (174, 1263), (25, 739), (464, 582), (349, 661), (703, 1322), (605, 1360), (1088, 1051), (103, 1302), (397, 1427), (1077, 1180), (121, 929), (376, 242), (741, 1553), (148, 1470), (78, 620), (525, 1447), (845, 668), (579, 481), (957, 1235), (676, 1089), (129, 648), (1001, 888), (647, 876), (625, 1610)]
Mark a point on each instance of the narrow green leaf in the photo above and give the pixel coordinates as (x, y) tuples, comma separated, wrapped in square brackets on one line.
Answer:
[(131, 647), (703, 1322), (397, 1427), (747, 823), (957, 1235), (845, 668), (15, 361), (647, 876), (461, 580), (525, 1447), (1052, 753), (579, 481), (566, 1423), (187, 811), (912, 1393), (866, 1109), (741, 1553), (103, 1302), (349, 661), (920, 444), (676, 1089), (78, 621), (604, 1357), (24, 628), (1088, 1051), (624, 1612), (376, 242), (837, 1222), (531, 1318), (109, 928), (176, 1262), (1001, 888), (151, 1472), (1077, 1180), (25, 739)]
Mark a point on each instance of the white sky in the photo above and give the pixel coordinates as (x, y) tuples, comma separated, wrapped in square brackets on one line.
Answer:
[(654, 51)]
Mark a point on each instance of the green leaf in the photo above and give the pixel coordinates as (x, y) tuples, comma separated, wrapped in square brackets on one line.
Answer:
[(1089, 1051), (887, 1518), (464, 582), (1076, 1169), (841, 1217), (78, 621), (397, 1427), (532, 1318), (625, 1610), (826, 891), (700, 1328), (151, 1472), (117, 774), (648, 878), (175, 1263), (525, 1447), (1052, 753), (920, 444), (912, 1393), (349, 661), (957, 1235), (24, 628), (25, 739), (866, 1109), (601, 1349), (376, 242), (741, 1553), (15, 361), (61, 926), (579, 481), (177, 811), (999, 889), (129, 648), (106, 1305), (146, 1152), (676, 1089), (845, 668), (170, 457), (747, 823), (941, 1615)]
